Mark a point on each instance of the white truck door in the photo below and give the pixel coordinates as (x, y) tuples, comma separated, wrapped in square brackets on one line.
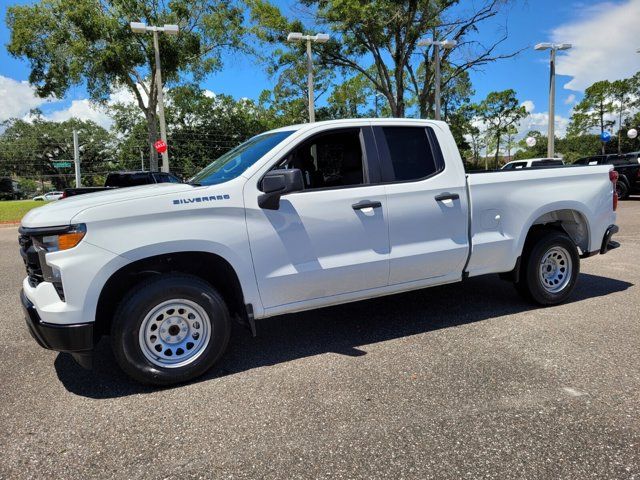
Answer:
[(427, 205), (332, 238)]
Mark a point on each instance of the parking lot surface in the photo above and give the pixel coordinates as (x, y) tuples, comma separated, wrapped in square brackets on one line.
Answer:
[(460, 381)]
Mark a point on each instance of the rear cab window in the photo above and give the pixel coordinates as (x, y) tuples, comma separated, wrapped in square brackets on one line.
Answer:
[(547, 163), (516, 166)]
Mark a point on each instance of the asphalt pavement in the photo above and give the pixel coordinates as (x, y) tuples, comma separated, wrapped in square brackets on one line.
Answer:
[(461, 381)]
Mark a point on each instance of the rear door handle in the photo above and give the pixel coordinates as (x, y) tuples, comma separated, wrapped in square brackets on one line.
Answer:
[(366, 204), (447, 196)]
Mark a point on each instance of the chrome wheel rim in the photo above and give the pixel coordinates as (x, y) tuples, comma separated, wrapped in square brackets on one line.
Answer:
[(555, 269), (175, 333)]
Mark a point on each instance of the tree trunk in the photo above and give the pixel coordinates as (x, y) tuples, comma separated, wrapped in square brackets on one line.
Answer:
[(602, 126), (497, 149)]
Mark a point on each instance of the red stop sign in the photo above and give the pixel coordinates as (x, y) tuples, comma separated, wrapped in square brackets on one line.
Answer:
[(161, 147)]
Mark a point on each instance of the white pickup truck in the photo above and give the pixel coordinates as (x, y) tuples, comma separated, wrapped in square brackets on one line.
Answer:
[(294, 219)]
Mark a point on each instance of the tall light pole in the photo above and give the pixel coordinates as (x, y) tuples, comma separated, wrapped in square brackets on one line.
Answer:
[(139, 27), (437, 45), (551, 134), (319, 38)]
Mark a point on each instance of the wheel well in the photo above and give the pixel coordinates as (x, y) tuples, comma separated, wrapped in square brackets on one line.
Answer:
[(571, 222), (210, 267)]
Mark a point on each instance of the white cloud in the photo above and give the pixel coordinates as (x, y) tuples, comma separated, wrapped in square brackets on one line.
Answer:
[(82, 110), (540, 122), (571, 99), (529, 106), (17, 98), (604, 38)]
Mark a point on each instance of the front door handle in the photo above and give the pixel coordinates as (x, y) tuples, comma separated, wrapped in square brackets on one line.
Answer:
[(447, 196), (366, 204)]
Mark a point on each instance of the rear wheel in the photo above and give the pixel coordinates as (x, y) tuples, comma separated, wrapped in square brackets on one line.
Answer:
[(550, 268), (622, 189), (170, 330)]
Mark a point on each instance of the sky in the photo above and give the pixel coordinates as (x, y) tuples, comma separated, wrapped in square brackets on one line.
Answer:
[(604, 35)]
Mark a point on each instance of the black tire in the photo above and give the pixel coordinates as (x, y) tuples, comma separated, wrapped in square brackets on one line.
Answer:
[(530, 284), (622, 188), (140, 302)]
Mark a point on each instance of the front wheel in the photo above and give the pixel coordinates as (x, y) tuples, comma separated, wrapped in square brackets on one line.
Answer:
[(550, 268), (170, 330)]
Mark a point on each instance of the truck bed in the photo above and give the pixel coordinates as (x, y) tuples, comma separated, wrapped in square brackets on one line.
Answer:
[(506, 203)]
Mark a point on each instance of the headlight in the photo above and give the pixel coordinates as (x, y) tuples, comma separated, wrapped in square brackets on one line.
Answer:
[(62, 241)]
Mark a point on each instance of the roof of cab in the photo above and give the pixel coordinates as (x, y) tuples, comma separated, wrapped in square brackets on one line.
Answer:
[(363, 121)]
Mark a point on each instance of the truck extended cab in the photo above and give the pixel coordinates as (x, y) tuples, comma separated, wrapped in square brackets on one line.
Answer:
[(294, 219)]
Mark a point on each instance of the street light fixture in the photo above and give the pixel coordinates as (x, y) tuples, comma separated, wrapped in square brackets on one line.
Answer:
[(553, 47), (140, 27), (319, 38), (446, 44)]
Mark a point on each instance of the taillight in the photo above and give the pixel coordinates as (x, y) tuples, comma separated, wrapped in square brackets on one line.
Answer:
[(613, 176)]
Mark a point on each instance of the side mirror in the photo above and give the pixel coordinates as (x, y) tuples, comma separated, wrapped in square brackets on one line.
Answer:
[(277, 183)]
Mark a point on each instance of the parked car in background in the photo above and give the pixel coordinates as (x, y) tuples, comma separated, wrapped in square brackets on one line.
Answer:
[(628, 167), (533, 162), (125, 179), (49, 197), (293, 219), (9, 189)]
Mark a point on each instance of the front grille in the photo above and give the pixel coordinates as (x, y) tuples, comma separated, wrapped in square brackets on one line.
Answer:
[(31, 260)]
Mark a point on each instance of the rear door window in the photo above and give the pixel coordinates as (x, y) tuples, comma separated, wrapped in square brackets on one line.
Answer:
[(408, 153)]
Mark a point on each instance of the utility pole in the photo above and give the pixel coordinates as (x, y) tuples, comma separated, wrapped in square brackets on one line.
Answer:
[(551, 135), (163, 125), (139, 27), (319, 38), (76, 158)]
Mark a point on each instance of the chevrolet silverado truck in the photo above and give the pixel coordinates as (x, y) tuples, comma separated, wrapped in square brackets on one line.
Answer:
[(294, 219)]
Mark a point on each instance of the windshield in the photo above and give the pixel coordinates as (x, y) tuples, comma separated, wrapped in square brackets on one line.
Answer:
[(234, 162)]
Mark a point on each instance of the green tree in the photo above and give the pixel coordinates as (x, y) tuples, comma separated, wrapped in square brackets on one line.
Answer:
[(32, 148), (378, 39), (349, 98), (89, 42), (624, 94), (202, 126), (510, 143), (537, 151), (499, 112), (592, 110)]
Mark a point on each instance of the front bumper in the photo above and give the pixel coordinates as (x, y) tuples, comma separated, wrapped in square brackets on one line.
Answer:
[(76, 339)]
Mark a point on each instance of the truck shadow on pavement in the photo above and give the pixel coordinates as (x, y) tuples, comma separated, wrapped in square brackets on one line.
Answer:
[(341, 329)]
